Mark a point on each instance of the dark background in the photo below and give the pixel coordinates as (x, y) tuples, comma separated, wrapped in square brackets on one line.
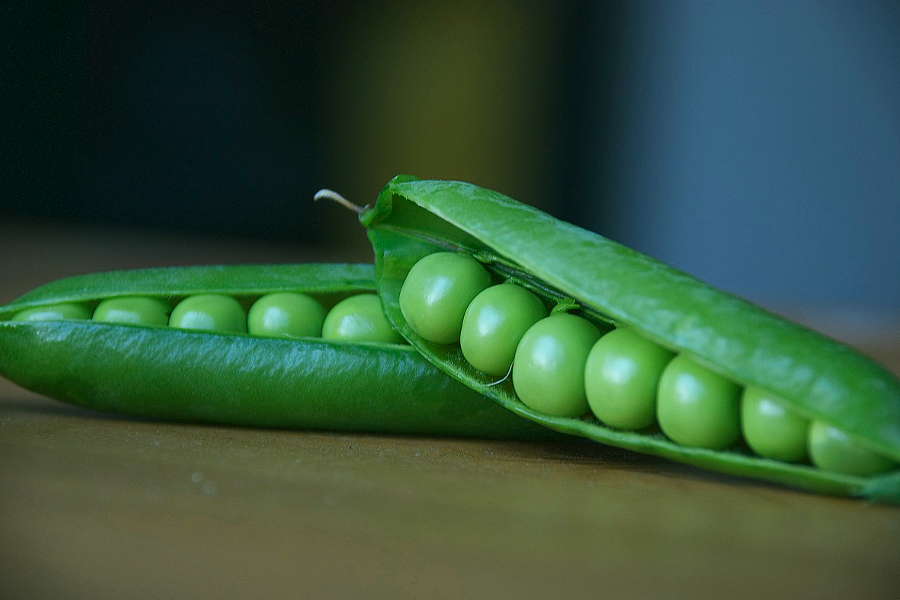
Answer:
[(753, 144)]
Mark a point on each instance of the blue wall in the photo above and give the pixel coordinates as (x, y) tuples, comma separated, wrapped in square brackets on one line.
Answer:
[(757, 145)]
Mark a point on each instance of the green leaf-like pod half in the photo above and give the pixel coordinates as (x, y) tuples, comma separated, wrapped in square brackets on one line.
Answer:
[(237, 379), (817, 377)]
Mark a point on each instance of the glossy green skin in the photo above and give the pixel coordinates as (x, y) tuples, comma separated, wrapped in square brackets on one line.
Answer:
[(697, 407), (770, 429), (436, 293), (548, 372), (189, 376), (833, 450), (219, 378), (494, 324), (359, 319), (286, 315), (209, 312), (621, 377), (53, 313), (816, 376), (135, 310)]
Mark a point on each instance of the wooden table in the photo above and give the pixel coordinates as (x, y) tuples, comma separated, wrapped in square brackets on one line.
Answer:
[(94, 506)]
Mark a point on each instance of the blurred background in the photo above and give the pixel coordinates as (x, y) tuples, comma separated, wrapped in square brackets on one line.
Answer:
[(755, 145)]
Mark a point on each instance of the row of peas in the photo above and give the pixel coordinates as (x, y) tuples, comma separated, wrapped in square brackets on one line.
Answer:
[(561, 365), (357, 318)]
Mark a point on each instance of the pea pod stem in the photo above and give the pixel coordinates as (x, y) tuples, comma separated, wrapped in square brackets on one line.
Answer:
[(818, 377), (326, 194), (233, 379)]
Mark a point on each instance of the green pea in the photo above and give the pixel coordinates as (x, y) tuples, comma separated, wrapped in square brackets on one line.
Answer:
[(770, 428), (359, 319), (134, 310), (209, 312), (55, 312), (494, 324), (834, 450), (697, 407), (286, 315), (436, 293), (621, 377), (548, 372)]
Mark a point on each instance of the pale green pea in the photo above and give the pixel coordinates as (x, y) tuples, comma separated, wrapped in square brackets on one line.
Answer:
[(359, 319), (209, 312), (548, 372), (55, 312), (621, 378), (286, 315), (494, 324), (133, 310), (436, 293), (770, 428), (697, 407), (834, 450)]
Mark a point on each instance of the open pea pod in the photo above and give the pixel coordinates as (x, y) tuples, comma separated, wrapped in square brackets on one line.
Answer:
[(612, 285), (236, 379)]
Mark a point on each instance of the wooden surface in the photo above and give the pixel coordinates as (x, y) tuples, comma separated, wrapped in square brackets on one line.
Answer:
[(93, 506)]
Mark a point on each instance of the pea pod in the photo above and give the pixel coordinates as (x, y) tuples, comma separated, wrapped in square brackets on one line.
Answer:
[(234, 379), (613, 286)]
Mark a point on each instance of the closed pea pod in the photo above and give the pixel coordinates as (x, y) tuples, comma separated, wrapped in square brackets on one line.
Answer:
[(223, 377), (615, 286)]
